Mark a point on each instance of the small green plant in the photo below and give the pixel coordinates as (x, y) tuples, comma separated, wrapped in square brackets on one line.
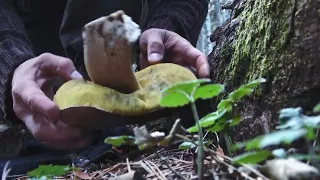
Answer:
[(222, 119), (187, 93), (294, 125), (49, 171), (316, 108)]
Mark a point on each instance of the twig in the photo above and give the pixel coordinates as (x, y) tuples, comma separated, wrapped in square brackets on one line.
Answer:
[(186, 162), (128, 165), (111, 168), (244, 165), (315, 141), (158, 169), (152, 169), (218, 140), (255, 171), (5, 171), (144, 166), (185, 139), (165, 162), (202, 139), (223, 156), (245, 175)]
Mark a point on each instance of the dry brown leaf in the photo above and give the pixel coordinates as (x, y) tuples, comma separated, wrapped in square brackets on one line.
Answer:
[(220, 151), (83, 175)]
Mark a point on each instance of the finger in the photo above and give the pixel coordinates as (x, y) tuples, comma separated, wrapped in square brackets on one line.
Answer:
[(58, 65), (198, 60), (152, 43), (45, 131), (36, 100), (143, 62), (192, 56)]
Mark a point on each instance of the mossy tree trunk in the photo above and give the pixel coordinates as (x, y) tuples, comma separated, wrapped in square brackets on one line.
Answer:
[(275, 39)]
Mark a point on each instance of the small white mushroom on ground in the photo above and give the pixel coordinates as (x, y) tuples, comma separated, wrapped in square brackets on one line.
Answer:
[(287, 169)]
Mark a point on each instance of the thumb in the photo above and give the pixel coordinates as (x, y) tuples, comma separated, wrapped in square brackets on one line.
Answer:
[(155, 46)]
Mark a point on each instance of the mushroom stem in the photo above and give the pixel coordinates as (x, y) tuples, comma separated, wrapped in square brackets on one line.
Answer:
[(107, 43)]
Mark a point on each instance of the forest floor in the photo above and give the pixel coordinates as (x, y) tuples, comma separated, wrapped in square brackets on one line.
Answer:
[(161, 164)]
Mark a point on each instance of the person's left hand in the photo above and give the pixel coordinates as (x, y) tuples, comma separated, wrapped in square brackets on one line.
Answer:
[(157, 43)]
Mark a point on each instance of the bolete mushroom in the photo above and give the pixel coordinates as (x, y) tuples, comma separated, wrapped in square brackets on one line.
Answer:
[(116, 95)]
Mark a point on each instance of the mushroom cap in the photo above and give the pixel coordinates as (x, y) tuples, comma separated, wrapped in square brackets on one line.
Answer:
[(86, 104)]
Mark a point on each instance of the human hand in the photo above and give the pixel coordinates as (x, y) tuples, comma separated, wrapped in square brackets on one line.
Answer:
[(32, 95), (155, 43)]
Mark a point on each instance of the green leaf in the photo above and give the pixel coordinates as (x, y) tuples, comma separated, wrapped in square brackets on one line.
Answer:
[(225, 104), (289, 113), (316, 108), (311, 135), (253, 84), (293, 123), (208, 91), (49, 171), (214, 121), (283, 136), (294, 119), (252, 157), (275, 138), (238, 94), (211, 118), (214, 128), (120, 140), (311, 121), (234, 121), (187, 145), (279, 153), (306, 157), (193, 129), (186, 86), (219, 126), (174, 99), (253, 144)]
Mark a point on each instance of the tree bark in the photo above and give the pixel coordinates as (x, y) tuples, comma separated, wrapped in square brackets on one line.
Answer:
[(275, 39)]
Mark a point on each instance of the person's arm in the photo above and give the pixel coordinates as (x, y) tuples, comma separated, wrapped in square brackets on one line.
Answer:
[(15, 48), (182, 17)]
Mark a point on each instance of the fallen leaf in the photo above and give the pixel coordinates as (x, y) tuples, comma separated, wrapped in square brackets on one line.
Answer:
[(220, 151), (82, 175)]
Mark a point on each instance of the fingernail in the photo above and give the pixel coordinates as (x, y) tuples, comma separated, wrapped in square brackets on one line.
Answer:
[(76, 75), (154, 57), (207, 71)]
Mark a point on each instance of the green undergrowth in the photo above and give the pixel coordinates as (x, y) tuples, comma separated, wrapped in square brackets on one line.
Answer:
[(260, 152), (293, 126)]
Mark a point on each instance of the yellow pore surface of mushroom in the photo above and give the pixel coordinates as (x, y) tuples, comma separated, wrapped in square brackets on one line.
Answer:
[(80, 93)]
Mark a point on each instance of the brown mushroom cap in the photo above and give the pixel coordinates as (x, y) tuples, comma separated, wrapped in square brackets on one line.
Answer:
[(90, 105)]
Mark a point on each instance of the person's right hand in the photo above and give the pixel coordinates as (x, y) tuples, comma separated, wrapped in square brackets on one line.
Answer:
[(32, 95)]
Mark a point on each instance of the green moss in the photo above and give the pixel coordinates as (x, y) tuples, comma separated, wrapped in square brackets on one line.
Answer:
[(259, 40)]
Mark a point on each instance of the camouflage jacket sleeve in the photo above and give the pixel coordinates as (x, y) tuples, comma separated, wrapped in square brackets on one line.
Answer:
[(15, 48)]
